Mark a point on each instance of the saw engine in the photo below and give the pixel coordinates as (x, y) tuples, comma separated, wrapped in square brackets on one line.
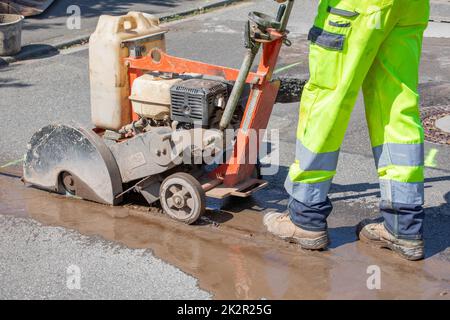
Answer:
[(157, 116), (189, 101), (196, 101)]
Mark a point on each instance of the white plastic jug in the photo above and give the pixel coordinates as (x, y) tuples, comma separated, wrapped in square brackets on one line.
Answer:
[(110, 107)]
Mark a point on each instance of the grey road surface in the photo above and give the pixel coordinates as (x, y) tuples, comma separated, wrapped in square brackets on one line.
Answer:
[(57, 23)]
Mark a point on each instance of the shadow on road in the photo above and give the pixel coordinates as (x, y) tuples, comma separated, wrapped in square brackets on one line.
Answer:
[(32, 52), (437, 224), (3, 63), (12, 83), (341, 236)]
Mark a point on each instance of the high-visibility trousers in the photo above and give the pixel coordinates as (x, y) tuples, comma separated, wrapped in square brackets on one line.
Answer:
[(376, 45)]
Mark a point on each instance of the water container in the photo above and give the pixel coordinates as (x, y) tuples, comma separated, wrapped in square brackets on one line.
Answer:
[(110, 107)]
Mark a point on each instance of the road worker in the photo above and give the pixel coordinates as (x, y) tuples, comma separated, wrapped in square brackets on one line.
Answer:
[(376, 45)]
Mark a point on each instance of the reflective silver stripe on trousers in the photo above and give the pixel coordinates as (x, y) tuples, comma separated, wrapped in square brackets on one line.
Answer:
[(399, 155), (402, 192), (308, 193), (310, 161)]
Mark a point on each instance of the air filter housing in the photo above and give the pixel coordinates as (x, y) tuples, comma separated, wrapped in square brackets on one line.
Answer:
[(194, 100)]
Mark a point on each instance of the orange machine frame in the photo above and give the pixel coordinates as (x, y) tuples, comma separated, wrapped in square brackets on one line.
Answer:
[(259, 105)]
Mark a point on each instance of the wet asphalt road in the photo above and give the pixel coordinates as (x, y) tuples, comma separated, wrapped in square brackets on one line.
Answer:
[(37, 263), (55, 89)]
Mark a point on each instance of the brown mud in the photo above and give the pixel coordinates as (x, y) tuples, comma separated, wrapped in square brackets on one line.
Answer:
[(231, 254)]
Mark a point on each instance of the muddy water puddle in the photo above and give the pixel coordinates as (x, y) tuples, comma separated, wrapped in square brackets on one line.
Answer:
[(230, 253)]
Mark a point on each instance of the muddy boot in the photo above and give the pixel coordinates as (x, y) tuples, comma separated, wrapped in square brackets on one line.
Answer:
[(375, 233), (281, 225)]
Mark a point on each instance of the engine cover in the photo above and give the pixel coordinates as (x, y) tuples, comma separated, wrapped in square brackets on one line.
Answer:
[(194, 100)]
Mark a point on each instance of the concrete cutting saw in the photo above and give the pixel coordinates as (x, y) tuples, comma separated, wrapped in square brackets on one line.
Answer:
[(158, 118)]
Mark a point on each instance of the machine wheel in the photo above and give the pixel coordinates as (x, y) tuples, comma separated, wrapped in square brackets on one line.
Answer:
[(68, 183), (182, 197)]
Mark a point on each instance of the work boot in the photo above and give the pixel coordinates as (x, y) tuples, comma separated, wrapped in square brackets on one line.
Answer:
[(280, 224), (376, 234)]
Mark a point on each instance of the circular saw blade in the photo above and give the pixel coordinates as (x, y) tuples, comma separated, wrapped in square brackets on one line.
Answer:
[(58, 149)]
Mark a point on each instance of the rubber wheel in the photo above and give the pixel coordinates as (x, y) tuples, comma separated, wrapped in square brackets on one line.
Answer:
[(182, 198)]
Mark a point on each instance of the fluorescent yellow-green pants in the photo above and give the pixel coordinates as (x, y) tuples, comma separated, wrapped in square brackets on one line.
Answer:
[(376, 45)]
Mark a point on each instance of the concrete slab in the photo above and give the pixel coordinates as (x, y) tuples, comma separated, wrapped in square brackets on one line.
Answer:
[(440, 10), (444, 124)]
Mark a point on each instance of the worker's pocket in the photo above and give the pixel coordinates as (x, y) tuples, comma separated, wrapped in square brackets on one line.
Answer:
[(325, 57), (329, 42)]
